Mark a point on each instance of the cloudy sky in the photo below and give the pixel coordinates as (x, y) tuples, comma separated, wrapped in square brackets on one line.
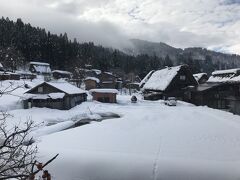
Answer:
[(214, 24)]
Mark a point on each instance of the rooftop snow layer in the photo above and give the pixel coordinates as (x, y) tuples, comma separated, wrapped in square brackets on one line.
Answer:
[(104, 91), (62, 72), (199, 76), (39, 63), (42, 68), (93, 78), (162, 78), (228, 71), (66, 87), (222, 79), (97, 71), (145, 79)]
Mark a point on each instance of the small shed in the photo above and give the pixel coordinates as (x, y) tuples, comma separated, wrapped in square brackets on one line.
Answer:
[(91, 83), (55, 95), (40, 68), (104, 95), (4, 76), (9, 76), (58, 74)]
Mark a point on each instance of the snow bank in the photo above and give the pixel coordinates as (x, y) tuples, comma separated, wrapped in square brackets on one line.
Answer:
[(150, 141)]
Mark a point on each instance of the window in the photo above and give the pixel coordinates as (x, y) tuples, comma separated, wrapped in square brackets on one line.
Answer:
[(182, 77), (40, 89)]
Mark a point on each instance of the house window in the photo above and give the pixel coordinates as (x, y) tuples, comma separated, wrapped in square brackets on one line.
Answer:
[(182, 77), (40, 89)]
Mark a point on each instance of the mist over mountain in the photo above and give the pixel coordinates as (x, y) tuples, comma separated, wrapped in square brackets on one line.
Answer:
[(21, 43), (161, 50)]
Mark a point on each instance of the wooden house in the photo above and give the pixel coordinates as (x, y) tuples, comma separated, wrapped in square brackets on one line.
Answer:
[(201, 77), (221, 91), (59, 74), (41, 68), (104, 95), (26, 75), (4, 76), (215, 95), (9, 76), (107, 80), (168, 82), (55, 95), (91, 83)]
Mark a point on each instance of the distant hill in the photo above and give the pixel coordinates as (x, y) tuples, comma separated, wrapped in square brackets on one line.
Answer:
[(220, 60), (21, 43)]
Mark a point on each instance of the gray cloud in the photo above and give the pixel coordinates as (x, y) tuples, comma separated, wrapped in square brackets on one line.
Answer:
[(182, 23)]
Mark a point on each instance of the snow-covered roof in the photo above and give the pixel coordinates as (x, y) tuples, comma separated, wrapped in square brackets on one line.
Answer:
[(39, 63), (199, 76), (62, 72), (224, 76), (97, 71), (1, 66), (228, 71), (224, 79), (41, 67), (66, 87), (162, 78), (22, 72), (103, 91), (93, 78), (145, 79)]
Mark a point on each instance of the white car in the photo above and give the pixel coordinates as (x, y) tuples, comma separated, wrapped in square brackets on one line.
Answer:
[(171, 101)]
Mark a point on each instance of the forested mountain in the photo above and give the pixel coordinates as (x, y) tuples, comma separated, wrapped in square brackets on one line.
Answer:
[(215, 60), (21, 43)]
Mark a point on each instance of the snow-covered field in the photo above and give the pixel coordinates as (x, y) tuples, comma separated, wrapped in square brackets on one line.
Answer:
[(149, 141)]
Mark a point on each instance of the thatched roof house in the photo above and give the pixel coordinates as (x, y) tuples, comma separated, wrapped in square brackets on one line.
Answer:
[(170, 81)]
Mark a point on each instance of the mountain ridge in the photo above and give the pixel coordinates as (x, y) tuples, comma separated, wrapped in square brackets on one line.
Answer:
[(162, 50)]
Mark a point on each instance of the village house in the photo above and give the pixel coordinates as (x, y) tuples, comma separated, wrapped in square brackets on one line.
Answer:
[(55, 95), (91, 83), (168, 82), (107, 80), (26, 75), (215, 95), (221, 91), (9, 76), (41, 68), (59, 74), (201, 77), (104, 95)]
